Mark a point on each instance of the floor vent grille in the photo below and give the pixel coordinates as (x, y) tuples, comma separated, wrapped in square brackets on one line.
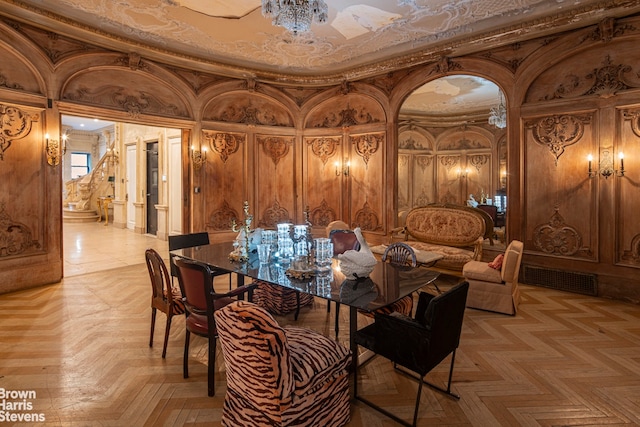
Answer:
[(569, 281)]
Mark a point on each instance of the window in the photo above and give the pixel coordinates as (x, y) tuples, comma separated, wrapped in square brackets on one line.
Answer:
[(80, 163)]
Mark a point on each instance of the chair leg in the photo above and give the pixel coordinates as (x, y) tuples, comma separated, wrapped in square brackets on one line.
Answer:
[(153, 325), (166, 335), (185, 363), (295, 316), (211, 368), (337, 325), (415, 413)]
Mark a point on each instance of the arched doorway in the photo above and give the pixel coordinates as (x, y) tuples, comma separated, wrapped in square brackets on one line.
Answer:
[(452, 145)]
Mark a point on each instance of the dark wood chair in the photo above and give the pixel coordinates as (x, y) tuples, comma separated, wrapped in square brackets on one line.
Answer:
[(201, 301), (164, 297), (418, 344)]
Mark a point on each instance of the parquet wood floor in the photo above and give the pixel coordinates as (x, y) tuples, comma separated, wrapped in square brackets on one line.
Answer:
[(82, 347)]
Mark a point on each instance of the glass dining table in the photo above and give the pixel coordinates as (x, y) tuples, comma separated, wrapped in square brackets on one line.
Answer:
[(386, 284)]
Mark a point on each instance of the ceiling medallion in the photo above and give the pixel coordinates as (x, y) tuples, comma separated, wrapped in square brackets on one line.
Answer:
[(295, 15)]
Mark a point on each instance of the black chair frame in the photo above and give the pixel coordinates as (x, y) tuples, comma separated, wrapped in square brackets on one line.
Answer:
[(417, 344)]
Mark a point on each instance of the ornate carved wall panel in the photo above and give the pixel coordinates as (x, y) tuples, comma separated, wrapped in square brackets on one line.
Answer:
[(16, 75), (247, 108), (604, 71), (560, 203), (136, 93), (346, 111), (628, 187), (224, 178), (323, 178), (274, 179), (366, 180)]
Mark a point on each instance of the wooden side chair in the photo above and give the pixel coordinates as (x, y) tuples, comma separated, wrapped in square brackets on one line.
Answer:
[(201, 301), (164, 297)]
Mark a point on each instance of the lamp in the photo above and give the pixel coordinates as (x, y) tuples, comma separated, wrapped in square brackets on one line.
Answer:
[(498, 115), (295, 15), (52, 150), (198, 157), (345, 168), (606, 167)]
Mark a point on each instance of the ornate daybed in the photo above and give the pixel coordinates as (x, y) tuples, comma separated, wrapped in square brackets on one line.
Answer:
[(455, 232)]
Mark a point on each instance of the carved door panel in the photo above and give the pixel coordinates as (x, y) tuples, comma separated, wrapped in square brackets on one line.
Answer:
[(274, 175), (366, 181), (225, 170), (323, 180)]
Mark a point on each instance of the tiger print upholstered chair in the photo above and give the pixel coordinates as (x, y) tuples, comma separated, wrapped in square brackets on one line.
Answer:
[(280, 376)]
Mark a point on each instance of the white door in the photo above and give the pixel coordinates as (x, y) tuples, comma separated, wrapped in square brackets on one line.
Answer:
[(131, 186), (175, 185)]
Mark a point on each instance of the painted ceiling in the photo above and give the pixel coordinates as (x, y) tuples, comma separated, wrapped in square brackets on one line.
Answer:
[(360, 38)]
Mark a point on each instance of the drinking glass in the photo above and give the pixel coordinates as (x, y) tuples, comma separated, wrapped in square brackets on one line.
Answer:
[(324, 252), (264, 252)]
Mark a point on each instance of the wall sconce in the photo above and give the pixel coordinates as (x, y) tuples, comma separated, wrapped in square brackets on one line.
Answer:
[(606, 167), (53, 149), (345, 168), (198, 157), (463, 173)]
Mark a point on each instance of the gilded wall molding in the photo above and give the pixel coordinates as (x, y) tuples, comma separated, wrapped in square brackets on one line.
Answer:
[(324, 147), (322, 215), (366, 219), (558, 131), (367, 145), (223, 144), (15, 237), (14, 124), (556, 237), (221, 219), (275, 147)]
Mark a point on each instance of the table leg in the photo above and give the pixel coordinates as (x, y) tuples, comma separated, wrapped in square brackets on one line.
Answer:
[(353, 327)]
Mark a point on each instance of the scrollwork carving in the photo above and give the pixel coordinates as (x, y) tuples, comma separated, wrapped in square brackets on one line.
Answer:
[(558, 132), (634, 119), (348, 117), (222, 218), (274, 215), (556, 237), (324, 147), (223, 144), (134, 103), (423, 162), (605, 81), (14, 124), (367, 145), (249, 115), (276, 147), (367, 219), (633, 254), (15, 237), (4, 82), (479, 160), (323, 214)]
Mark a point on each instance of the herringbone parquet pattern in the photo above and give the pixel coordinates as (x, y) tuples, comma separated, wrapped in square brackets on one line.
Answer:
[(82, 346)]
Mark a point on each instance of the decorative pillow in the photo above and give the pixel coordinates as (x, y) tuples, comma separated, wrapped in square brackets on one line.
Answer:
[(497, 262)]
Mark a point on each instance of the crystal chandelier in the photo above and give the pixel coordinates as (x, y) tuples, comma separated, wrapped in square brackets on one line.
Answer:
[(295, 15), (498, 115)]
